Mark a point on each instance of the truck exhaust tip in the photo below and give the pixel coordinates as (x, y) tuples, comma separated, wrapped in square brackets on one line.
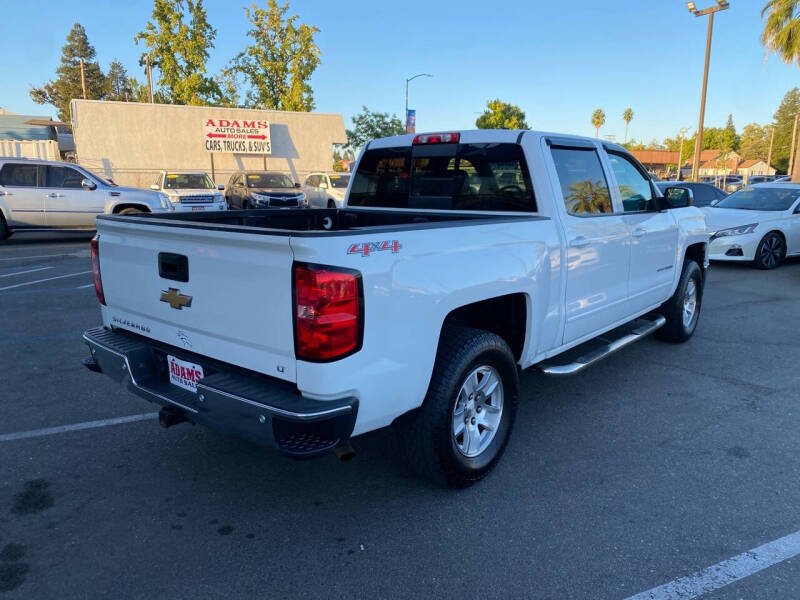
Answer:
[(344, 452), (169, 416)]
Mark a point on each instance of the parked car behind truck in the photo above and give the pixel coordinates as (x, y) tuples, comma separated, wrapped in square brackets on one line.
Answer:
[(414, 306), (38, 195), (263, 189), (190, 190)]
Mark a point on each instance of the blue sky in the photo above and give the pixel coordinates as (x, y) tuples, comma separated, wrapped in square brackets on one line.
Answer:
[(557, 60)]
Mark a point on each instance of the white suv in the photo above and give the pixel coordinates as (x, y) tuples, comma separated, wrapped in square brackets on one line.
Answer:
[(190, 190), (51, 195), (326, 190)]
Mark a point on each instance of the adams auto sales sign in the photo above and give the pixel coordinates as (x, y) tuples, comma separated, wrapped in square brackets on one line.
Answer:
[(236, 136)]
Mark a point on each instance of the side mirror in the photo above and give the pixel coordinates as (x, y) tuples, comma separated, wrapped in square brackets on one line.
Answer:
[(88, 184), (297, 184), (155, 187), (678, 197), (220, 187), (714, 203)]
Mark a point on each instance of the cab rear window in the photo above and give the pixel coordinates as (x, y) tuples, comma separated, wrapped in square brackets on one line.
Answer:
[(485, 177)]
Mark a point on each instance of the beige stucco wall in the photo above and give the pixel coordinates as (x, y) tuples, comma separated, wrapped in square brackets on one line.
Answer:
[(131, 141)]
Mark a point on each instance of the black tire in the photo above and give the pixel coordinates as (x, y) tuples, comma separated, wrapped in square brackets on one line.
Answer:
[(770, 252), (331, 203), (426, 437), (676, 330), (131, 211), (4, 232)]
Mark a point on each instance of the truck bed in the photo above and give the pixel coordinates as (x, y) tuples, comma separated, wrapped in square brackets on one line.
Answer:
[(304, 221)]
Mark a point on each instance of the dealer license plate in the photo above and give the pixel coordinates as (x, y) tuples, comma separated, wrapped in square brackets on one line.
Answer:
[(184, 373)]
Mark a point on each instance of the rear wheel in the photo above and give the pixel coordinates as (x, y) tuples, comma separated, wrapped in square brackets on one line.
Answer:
[(459, 433), (682, 311), (131, 211), (4, 233), (770, 252), (331, 204)]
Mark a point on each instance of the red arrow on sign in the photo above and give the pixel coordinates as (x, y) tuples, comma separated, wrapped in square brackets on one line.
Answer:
[(213, 135), (256, 137)]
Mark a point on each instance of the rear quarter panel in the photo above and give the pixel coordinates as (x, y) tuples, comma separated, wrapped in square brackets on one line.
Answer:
[(408, 294)]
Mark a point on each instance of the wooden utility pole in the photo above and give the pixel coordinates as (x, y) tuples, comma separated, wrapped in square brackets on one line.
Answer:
[(83, 80), (149, 72), (769, 155), (793, 149)]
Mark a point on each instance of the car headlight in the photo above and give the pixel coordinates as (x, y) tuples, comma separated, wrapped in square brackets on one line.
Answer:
[(302, 200), (735, 231), (163, 200), (258, 197)]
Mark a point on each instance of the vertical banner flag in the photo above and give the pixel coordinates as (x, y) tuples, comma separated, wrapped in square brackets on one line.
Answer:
[(411, 121)]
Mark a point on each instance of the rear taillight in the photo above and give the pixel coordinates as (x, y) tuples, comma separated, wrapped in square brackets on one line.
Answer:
[(328, 305), (436, 138), (98, 282)]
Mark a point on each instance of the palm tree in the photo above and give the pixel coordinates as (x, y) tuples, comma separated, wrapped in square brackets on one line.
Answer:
[(627, 116), (782, 36), (598, 120), (782, 30)]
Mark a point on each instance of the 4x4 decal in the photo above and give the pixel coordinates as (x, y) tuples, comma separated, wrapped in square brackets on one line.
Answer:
[(367, 248)]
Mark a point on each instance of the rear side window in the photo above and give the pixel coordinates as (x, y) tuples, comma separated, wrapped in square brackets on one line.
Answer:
[(382, 178), (486, 177), (583, 183), (18, 175)]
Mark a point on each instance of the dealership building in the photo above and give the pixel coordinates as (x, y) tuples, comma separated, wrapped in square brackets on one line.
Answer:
[(130, 142)]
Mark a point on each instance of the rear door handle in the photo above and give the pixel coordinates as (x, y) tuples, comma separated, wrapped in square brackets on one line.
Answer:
[(638, 232), (579, 242)]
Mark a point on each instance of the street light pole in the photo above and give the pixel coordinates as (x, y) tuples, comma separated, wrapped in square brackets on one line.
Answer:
[(405, 112), (698, 144)]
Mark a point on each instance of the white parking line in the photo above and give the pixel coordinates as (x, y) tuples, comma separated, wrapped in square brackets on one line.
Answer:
[(37, 256), (83, 287), (23, 272), (727, 571), (9, 287), (20, 435)]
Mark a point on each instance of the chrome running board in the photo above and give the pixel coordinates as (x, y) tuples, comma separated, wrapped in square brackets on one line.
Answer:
[(580, 363)]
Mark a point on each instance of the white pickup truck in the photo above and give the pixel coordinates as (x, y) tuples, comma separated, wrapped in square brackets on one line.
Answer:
[(459, 259)]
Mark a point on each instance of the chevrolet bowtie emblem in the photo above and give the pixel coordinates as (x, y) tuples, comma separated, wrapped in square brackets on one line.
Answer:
[(175, 299)]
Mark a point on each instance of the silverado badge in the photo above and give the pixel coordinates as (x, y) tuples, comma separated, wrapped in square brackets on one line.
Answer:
[(175, 299)]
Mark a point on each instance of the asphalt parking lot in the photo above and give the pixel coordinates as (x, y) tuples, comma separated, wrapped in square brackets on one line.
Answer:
[(657, 463)]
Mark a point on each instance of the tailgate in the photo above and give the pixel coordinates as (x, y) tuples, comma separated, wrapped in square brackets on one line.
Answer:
[(235, 306)]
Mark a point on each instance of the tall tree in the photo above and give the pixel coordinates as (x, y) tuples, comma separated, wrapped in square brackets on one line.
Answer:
[(783, 121), (781, 35), (67, 84), (501, 115), (731, 137), (139, 92), (180, 49), (598, 120), (368, 125), (754, 143), (627, 116), (118, 84), (276, 67)]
